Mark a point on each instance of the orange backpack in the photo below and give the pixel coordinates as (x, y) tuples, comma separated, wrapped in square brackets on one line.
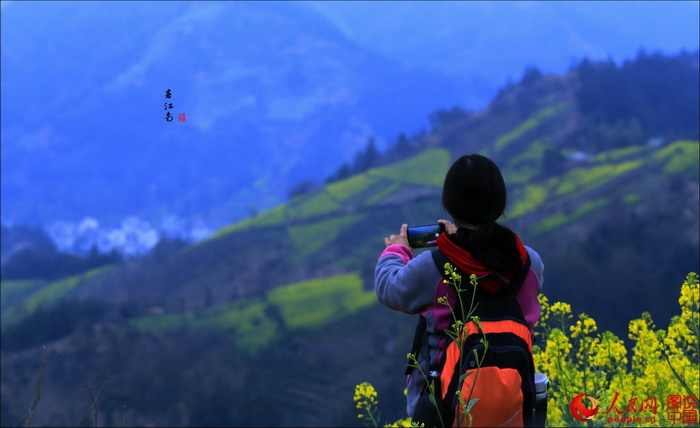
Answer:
[(492, 384)]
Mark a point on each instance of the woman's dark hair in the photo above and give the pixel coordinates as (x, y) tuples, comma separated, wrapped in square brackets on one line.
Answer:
[(474, 193)]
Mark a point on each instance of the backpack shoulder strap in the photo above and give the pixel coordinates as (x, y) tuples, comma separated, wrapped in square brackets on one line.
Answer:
[(440, 260), (417, 340)]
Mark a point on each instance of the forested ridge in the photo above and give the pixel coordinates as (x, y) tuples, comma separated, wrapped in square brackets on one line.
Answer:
[(279, 308)]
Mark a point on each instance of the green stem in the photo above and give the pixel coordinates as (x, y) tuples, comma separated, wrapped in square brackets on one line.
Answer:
[(368, 409), (479, 363), (431, 386), (675, 373), (585, 362)]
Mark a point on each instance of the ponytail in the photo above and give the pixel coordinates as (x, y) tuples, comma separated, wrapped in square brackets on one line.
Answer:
[(484, 232), (494, 245)]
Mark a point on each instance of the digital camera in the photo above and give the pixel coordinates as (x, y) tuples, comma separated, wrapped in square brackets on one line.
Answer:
[(424, 236)]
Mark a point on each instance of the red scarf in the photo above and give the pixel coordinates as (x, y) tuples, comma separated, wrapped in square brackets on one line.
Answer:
[(468, 264)]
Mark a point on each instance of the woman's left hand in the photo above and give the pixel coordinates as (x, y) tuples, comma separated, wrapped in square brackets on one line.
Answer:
[(401, 238)]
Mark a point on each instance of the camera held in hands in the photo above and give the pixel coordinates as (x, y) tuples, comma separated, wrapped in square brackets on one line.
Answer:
[(424, 236)]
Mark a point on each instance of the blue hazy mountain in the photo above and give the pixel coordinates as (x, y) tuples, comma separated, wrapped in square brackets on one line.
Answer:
[(273, 92), (491, 42)]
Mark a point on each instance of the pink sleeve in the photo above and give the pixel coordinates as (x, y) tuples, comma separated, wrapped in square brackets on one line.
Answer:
[(404, 252)]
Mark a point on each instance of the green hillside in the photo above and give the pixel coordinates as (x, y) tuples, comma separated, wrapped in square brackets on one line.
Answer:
[(280, 307), (359, 191)]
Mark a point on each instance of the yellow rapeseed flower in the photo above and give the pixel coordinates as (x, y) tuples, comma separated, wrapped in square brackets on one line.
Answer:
[(690, 294), (366, 400), (583, 327), (544, 310), (560, 308), (365, 393), (580, 359), (611, 352)]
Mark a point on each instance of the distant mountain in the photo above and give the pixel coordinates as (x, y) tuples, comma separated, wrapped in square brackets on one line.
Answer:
[(492, 42), (272, 94), (272, 321)]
